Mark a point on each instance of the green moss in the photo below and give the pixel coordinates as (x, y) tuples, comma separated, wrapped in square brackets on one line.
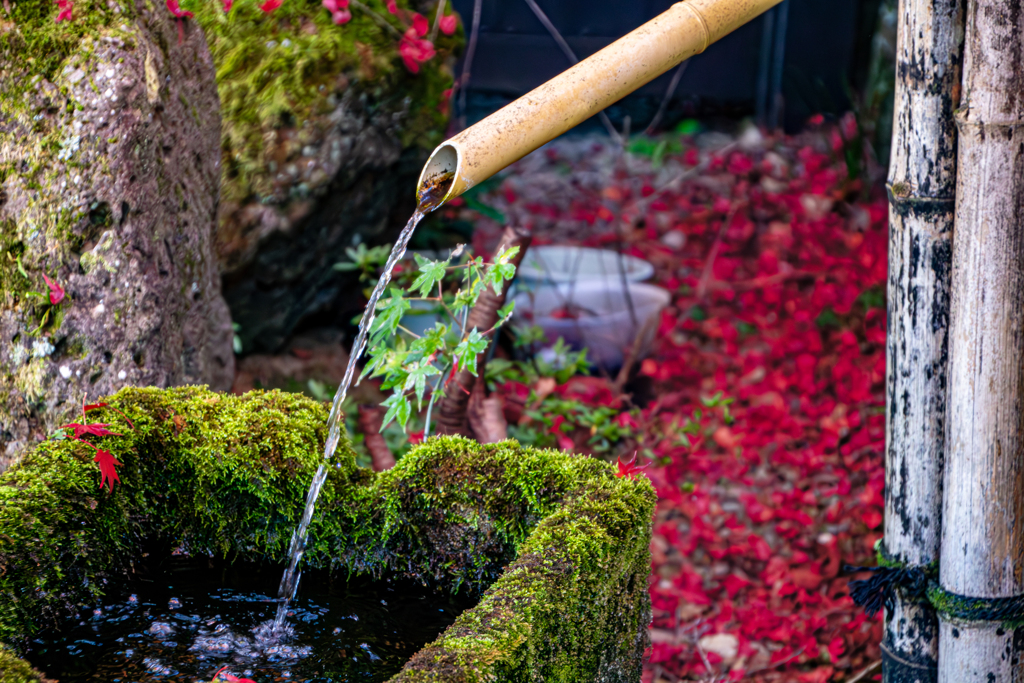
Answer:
[(34, 46), (280, 69), (557, 544), (14, 670), (13, 283)]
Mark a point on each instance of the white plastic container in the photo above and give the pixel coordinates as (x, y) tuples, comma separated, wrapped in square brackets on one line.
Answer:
[(594, 315), (553, 264)]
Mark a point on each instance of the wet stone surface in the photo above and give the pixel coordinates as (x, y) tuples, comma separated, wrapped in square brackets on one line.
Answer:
[(189, 621)]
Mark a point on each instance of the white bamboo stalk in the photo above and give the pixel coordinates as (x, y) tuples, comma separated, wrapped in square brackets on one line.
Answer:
[(983, 507), (922, 185)]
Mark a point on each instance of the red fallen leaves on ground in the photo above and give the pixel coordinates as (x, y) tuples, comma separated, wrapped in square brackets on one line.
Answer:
[(756, 516)]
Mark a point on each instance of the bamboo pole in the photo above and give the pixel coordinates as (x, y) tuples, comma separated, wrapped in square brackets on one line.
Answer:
[(509, 134), (922, 186), (983, 506)]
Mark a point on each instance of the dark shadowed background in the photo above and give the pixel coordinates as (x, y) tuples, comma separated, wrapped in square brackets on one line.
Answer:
[(824, 46)]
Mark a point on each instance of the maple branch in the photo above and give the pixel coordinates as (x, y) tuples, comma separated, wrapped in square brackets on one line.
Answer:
[(434, 393), (408, 331), (447, 310)]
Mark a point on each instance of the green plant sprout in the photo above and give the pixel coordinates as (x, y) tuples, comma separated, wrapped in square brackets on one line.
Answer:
[(563, 364), (367, 260), (414, 364), (693, 425)]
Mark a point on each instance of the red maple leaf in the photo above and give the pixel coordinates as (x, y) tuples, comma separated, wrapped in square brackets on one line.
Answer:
[(448, 24), (63, 15), (420, 24), (176, 10), (629, 468), (94, 428), (107, 463), (415, 50), (56, 291), (222, 676)]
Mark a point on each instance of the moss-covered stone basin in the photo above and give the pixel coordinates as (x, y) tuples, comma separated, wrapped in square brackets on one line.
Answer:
[(556, 545)]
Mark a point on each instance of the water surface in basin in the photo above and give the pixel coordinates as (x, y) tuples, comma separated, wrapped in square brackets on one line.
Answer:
[(190, 619)]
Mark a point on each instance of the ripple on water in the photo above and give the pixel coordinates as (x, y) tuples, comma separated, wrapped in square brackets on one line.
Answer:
[(185, 624)]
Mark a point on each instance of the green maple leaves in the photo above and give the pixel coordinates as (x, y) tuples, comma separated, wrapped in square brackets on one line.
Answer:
[(421, 365)]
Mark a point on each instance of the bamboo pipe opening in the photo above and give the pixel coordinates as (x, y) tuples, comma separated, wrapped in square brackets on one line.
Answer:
[(443, 160)]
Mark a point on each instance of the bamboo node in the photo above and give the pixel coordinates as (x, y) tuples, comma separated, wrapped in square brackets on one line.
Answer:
[(705, 31)]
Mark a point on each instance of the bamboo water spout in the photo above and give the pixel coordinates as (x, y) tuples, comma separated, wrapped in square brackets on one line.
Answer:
[(685, 29)]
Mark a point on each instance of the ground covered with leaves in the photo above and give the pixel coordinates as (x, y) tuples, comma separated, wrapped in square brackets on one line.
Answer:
[(775, 254)]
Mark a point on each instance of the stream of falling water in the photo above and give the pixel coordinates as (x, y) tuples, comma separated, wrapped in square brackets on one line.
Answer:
[(430, 198)]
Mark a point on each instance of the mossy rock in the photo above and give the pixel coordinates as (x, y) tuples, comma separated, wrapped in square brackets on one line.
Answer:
[(109, 178), (555, 543), (324, 134)]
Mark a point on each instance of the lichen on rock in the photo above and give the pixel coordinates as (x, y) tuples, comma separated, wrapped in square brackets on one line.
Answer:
[(555, 543), (108, 186)]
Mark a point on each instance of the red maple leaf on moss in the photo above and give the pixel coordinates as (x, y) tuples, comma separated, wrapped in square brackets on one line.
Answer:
[(94, 428), (108, 464), (629, 468), (63, 15)]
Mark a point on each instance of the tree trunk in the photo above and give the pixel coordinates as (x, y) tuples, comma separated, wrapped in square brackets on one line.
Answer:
[(371, 419), (983, 507), (452, 418), (486, 414), (922, 186)]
